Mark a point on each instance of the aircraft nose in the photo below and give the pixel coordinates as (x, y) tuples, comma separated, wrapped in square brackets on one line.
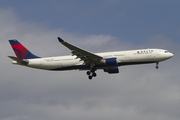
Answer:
[(167, 55), (171, 55)]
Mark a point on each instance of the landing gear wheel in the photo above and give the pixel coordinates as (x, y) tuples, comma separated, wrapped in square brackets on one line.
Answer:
[(88, 72), (94, 74), (90, 77), (157, 67)]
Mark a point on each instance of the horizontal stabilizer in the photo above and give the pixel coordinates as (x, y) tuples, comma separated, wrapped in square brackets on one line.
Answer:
[(24, 62)]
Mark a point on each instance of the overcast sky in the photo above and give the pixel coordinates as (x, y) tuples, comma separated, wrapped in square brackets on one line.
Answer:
[(138, 92)]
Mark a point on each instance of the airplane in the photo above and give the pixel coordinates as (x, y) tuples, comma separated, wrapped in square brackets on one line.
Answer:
[(85, 60)]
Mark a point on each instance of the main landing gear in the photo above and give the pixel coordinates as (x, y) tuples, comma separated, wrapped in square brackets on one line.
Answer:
[(91, 73), (157, 65)]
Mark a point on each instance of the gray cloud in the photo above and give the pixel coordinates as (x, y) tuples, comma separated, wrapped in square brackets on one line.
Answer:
[(137, 92)]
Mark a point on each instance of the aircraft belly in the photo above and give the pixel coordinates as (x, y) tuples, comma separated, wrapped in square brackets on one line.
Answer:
[(137, 59), (69, 63), (51, 65), (59, 64), (124, 59), (142, 58)]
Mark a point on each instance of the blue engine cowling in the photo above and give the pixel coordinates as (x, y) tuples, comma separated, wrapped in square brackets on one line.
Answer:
[(111, 61), (112, 70)]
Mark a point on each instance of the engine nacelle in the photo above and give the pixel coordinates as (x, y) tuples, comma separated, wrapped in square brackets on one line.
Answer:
[(112, 70), (110, 61)]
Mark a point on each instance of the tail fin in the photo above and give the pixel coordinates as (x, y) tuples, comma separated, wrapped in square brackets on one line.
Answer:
[(20, 51)]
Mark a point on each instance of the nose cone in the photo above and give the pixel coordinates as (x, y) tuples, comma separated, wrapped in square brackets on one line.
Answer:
[(165, 55), (172, 55), (169, 55)]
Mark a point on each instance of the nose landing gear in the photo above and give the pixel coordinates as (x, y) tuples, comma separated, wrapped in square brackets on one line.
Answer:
[(157, 65)]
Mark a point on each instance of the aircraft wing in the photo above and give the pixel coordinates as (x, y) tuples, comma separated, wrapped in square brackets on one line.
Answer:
[(84, 55)]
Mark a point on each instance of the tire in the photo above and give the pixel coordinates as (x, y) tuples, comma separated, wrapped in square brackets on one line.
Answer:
[(94, 74), (157, 67), (90, 77), (88, 72)]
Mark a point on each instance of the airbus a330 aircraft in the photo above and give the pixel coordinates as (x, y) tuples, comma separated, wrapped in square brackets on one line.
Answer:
[(84, 60)]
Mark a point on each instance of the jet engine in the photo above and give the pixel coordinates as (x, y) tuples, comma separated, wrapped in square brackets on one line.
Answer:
[(112, 70), (110, 61)]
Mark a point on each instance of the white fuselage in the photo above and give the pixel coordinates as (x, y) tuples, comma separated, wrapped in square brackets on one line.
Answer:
[(123, 57)]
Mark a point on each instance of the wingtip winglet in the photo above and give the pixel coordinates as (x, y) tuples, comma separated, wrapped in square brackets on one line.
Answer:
[(60, 39)]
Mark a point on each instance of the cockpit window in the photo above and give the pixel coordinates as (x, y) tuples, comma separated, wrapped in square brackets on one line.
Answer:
[(166, 51)]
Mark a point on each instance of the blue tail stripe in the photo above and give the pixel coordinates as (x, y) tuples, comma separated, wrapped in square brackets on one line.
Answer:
[(29, 55), (14, 42), (19, 52)]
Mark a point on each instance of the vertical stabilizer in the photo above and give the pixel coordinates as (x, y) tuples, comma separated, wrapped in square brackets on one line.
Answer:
[(20, 51)]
